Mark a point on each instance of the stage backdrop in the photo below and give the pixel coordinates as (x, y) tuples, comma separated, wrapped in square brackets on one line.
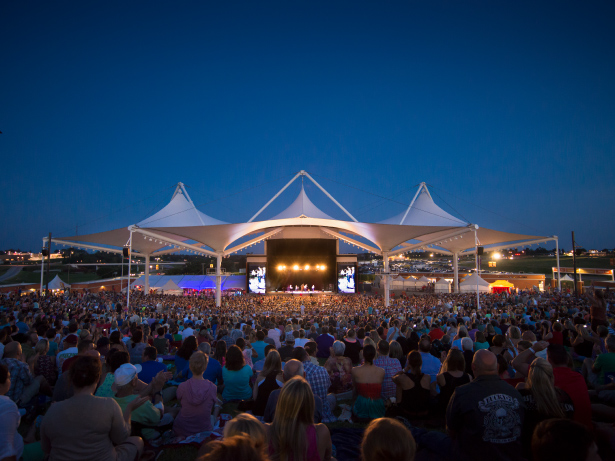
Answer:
[(294, 255)]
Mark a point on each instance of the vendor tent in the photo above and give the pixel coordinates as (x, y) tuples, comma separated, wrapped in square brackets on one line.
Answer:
[(567, 278), (471, 283), (422, 281), (58, 284), (397, 283), (501, 285), (170, 288), (442, 286)]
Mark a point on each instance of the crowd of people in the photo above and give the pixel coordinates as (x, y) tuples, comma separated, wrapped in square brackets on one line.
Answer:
[(525, 376)]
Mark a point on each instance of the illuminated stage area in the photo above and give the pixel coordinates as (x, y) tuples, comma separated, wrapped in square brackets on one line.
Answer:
[(301, 266)]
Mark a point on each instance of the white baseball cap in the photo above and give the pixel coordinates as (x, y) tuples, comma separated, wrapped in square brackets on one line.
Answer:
[(126, 373)]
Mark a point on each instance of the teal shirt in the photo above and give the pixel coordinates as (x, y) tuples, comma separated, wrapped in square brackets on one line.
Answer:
[(259, 347), (237, 384)]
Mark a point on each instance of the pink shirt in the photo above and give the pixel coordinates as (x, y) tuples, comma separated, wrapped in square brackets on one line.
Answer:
[(197, 398)]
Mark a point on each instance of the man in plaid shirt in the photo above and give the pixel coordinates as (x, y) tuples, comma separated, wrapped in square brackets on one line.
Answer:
[(318, 379), (391, 367), (24, 386)]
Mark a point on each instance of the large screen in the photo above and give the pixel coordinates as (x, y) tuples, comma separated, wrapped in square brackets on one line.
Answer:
[(257, 280), (305, 265), (346, 277)]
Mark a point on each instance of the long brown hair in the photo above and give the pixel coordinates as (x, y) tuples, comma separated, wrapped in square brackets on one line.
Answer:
[(294, 411)]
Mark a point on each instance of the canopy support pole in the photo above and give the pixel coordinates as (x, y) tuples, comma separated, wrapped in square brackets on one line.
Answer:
[(42, 267), (146, 290), (385, 257), (329, 195), (559, 280), (456, 272), (218, 281), (412, 202), (129, 261), (477, 269), (275, 196)]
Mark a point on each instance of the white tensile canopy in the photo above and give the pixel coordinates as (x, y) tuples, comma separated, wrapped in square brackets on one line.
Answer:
[(423, 280), (181, 227), (58, 284), (474, 283)]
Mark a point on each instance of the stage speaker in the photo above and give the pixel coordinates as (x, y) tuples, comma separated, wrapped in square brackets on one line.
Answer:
[(480, 251), (45, 252), (126, 252)]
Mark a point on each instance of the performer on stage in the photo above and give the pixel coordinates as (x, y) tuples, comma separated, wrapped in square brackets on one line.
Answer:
[(312, 288)]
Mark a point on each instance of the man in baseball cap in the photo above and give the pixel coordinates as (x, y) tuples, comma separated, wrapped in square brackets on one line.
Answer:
[(286, 351), (149, 414)]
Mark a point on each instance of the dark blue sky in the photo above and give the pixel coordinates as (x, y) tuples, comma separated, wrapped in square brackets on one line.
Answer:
[(501, 106)]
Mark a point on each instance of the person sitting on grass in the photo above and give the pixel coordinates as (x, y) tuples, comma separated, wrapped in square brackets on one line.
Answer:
[(387, 439), (367, 383), (236, 375), (149, 414), (197, 397), (293, 434), (89, 427)]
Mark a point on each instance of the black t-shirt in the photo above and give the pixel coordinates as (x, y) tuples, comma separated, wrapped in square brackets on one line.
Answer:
[(485, 418), (352, 350)]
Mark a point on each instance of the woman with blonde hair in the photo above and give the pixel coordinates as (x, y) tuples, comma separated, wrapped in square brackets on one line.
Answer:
[(542, 400), (269, 379), (293, 435)]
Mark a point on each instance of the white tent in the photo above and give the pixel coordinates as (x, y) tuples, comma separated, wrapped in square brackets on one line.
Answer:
[(442, 286), (567, 278), (170, 288), (397, 282), (422, 281), (470, 283), (58, 284)]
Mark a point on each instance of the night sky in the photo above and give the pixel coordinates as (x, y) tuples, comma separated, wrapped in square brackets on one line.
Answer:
[(507, 109)]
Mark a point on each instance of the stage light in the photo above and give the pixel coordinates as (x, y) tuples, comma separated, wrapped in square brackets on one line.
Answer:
[(295, 267), (307, 267), (323, 267), (281, 267)]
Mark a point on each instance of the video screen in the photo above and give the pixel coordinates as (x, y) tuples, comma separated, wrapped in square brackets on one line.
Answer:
[(301, 265), (346, 278), (257, 278)]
